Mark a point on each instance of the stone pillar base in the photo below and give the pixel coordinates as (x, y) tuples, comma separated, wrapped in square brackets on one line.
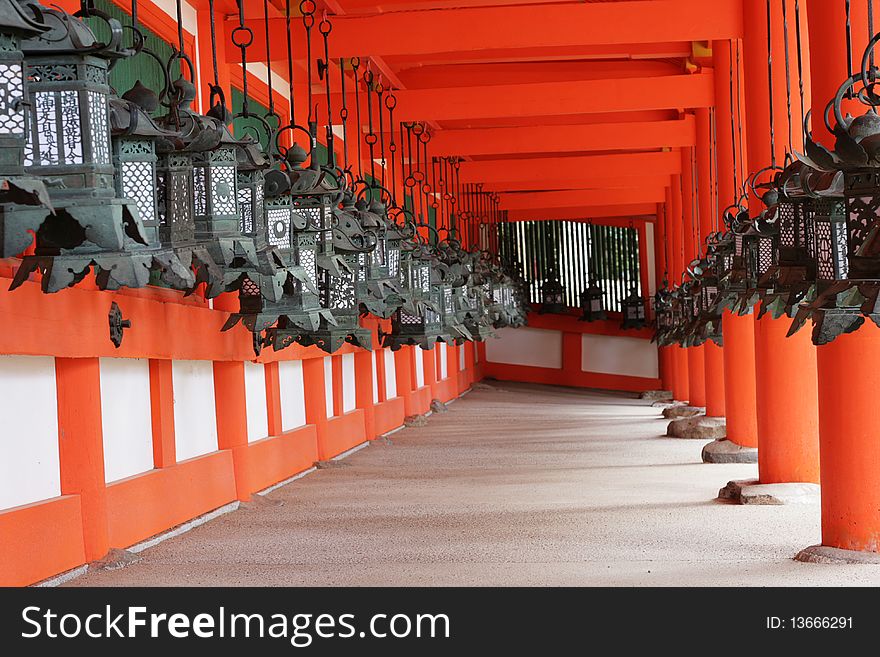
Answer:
[(699, 427), (727, 451), (751, 491), (657, 395), (832, 555), (675, 412)]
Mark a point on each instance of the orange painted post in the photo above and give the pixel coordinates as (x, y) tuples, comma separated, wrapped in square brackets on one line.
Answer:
[(316, 401), (695, 355), (713, 355), (363, 391), (403, 370), (849, 376), (787, 406), (273, 399), (162, 413), (848, 369), (81, 447), (430, 361), (232, 432), (738, 332), (680, 388), (336, 368)]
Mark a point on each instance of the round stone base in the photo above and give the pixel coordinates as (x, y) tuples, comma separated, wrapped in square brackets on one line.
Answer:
[(752, 492), (698, 427), (656, 395), (832, 555), (675, 412), (726, 451)]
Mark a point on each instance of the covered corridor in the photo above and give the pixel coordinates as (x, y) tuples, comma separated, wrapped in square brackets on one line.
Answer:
[(547, 487)]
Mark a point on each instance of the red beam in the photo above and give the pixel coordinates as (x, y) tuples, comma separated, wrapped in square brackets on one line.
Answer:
[(623, 164), (586, 213), (555, 98), (526, 26), (565, 199), (551, 183), (566, 138)]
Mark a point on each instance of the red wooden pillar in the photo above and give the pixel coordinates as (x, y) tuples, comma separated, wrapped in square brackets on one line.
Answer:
[(713, 355), (849, 368), (81, 447), (695, 355), (738, 332), (363, 376), (403, 369), (680, 387), (231, 408), (787, 406), (162, 413), (316, 401)]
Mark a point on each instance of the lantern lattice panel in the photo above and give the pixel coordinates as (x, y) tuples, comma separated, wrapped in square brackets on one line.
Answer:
[(138, 181), (393, 262), (11, 92), (200, 191), (245, 209), (279, 228), (861, 218), (223, 189), (100, 128)]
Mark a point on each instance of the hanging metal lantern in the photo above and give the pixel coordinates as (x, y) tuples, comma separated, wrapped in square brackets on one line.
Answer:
[(633, 311), (663, 316), (15, 124), (593, 303), (787, 282), (552, 295), (341, 271), (135, 140), (378, 291), (69, 143), (420, 320), (298, 311)]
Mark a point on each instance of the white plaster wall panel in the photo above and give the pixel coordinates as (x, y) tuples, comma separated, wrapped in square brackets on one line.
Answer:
[(526, 346), (328, 384), (390, 374), (126, 417), (420, 367), (293, 395), (255, 398), (29, 463), (461, 362), (195, 412), (349, 399), (375, 380), (609, 354), (652, 267), (444, 361)]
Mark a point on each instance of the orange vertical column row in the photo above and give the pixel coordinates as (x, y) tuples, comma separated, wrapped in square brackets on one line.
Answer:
[(695, 355), (660, 248), (316, 401), (848, 368), (713, 355), (403, 371), (738, 332), (680, 387), (363, 396), (273, 399), (162, 413), (787, 406), (81, 447), (231, 409)]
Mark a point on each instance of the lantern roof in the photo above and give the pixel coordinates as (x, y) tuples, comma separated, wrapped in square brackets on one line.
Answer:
[(14, 18), (59, 33)]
